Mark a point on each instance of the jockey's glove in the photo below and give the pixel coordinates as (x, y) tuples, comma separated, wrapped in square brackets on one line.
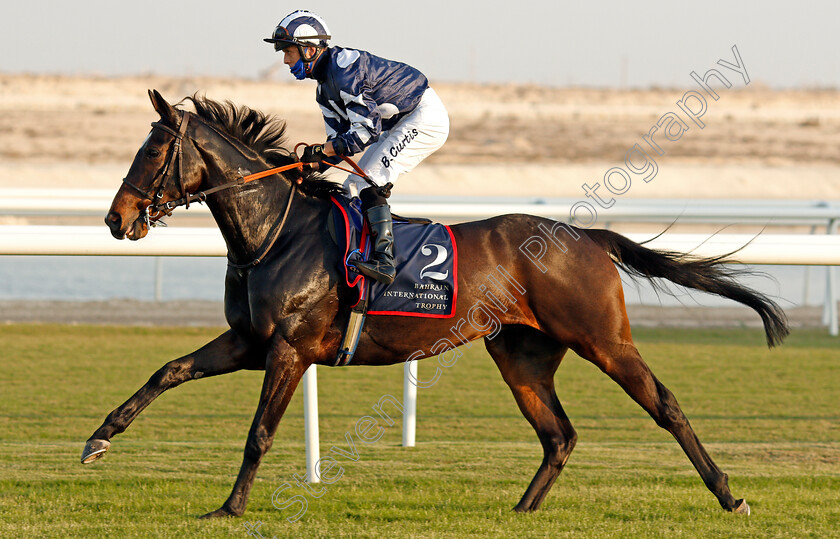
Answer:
[(313, 153)]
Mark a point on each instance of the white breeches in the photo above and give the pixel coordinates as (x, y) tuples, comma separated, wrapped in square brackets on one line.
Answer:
[(399, 150)]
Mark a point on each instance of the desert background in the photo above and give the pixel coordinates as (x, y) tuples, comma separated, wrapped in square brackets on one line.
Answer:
[(510, 140), (505, 140)]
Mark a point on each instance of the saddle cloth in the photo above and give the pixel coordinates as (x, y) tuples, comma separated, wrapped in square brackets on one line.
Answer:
[(426, 259)]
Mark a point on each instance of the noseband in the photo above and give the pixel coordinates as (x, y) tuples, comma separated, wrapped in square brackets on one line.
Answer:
[(155, 192)]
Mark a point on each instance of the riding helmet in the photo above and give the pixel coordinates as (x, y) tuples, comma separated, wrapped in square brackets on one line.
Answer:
[(302, 28)]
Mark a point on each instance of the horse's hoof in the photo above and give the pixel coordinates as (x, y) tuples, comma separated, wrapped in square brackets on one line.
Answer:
[(94, 449), (741, 507), (221, 512)]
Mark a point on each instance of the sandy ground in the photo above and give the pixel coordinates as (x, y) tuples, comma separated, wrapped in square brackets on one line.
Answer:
[(504, 141)]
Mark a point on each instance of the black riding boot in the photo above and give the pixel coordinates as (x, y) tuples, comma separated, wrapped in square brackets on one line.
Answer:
[(378, 215)]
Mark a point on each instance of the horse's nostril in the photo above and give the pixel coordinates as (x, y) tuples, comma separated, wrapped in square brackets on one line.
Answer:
[(113, 220)]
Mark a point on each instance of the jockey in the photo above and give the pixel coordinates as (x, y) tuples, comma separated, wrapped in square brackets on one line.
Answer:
[(382, 107)]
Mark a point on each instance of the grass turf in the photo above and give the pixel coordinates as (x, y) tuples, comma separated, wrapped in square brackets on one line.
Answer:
[(769, 418)]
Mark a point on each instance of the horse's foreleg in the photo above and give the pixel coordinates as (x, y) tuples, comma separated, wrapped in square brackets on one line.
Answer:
[(227, 353), (527, 360), (624, 364), (283, 371)]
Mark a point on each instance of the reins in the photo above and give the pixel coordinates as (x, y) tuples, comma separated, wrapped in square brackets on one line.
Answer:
[(384, 190), (156, 211), (201, 196), (269, 243)]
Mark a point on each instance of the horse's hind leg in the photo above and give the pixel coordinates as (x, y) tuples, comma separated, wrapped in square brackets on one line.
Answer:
[(227, 353), (527, 360), (622, 362)]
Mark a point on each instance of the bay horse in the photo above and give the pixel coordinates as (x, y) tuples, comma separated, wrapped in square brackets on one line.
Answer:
[(287, 301)]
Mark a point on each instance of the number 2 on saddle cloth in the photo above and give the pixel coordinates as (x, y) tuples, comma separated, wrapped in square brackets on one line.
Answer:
[(426, 258)]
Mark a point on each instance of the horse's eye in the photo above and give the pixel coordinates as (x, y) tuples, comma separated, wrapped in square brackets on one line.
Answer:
[(153, 153)]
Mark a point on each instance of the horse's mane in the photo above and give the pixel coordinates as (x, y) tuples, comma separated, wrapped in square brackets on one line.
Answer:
[(266, 135)]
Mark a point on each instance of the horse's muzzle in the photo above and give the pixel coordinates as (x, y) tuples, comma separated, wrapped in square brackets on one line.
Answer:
[(114, 222), (121, 230)]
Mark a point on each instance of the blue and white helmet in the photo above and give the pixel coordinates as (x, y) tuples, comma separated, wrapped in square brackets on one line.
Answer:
[(302, 28)]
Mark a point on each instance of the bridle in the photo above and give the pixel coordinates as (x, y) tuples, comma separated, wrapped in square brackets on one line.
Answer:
[(157, 210), (155, 191)]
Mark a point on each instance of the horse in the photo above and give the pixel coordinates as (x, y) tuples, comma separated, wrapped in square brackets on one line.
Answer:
[(287, 301)]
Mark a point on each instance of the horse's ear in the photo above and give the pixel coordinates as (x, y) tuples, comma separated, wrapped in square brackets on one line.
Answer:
[(166, 111)]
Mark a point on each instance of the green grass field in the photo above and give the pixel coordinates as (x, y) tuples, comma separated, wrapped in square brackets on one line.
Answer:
[(769, 418)]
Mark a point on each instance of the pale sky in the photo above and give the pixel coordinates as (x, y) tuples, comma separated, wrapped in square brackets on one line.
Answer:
[(609, 43)]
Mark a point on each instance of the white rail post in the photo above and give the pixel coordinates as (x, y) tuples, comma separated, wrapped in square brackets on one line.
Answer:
[(806, 292), (410, 403), (831, 299), (310, 421), (830, 310)]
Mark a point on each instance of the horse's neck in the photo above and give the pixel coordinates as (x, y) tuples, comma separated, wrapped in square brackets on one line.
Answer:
[(249, 216)]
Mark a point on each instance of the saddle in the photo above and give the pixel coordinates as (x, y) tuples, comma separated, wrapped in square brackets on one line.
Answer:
[(426, 260)]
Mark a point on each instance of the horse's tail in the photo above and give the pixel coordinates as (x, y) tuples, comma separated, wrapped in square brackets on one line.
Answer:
[(705, 274)]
